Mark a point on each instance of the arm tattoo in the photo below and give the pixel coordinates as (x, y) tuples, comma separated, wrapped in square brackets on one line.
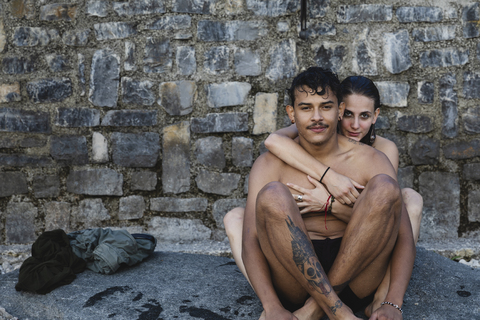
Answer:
[(337, 305), (306, 260)]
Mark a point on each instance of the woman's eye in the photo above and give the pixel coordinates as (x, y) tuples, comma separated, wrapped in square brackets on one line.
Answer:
[(365, 116)]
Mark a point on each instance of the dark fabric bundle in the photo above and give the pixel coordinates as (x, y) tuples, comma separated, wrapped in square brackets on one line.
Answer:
[(52, 264)]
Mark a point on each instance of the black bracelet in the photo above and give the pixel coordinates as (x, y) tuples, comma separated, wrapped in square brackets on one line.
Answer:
[(323, 175)]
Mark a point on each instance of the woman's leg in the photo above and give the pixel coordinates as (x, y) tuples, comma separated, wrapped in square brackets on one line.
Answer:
[(413, 202), (233, 222)]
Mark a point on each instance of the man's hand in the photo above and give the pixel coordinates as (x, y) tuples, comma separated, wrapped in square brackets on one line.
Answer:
[(342, 188), (313, 200), (386, 312)]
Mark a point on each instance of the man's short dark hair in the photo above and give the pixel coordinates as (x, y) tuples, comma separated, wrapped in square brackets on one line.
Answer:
[(314, 78)]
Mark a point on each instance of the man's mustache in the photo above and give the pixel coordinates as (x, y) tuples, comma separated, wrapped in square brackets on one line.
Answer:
[(318, 124)]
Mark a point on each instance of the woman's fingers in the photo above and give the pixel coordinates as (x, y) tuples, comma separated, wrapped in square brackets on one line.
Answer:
[(296, 188)]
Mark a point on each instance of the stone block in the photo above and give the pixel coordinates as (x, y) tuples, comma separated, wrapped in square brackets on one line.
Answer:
[(320, 29), (474, 206), (97, 8), (33, 36), (382, 123), (208, 30), (49, 90), (405, 177), (471, 85), (12, 183), (76, 38), (209, 152), (90, 213), (470, 18), (139, 7), (415, 123), (104, 78), (247, 62), (24, 160), (221, 122), (364, 59), (33, 142), (178, 230), (137, 92), (58, 11), (272, 8), (222, 206), (185, 59), (392, 93), (318, 8), (178, 205), (170, 23), (57, 62), (131, 208), (23, 9), (46, 186), (462, 149), (396, 51), (233, 7), (95, 182), (18, 65), (283, 61), (217, 183), (3, 36), (194, 6), (445, 57), (135, 150), (10, 92), (177, 97), (143, 180), (176, 158), (216, 60), (114, 30), (242, 152), (20, 222), (436, 33), (81, 74), (449, 101), (441, 214), (227, 94), (283, 26), (425, 151), (330, 56), (426, 92), (471, 171), (99, 148), (129, 64), (265, 113), (419, 14), (14, 120), (471, 120), (77, 117), (130, 118), (158, 56), (57, 216), (364, 13), (71, 150)]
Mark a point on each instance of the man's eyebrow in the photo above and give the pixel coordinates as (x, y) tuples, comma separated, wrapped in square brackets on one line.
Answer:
[(309, 104)]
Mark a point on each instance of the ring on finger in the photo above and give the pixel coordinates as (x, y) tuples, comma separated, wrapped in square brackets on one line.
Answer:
[(300, 198)]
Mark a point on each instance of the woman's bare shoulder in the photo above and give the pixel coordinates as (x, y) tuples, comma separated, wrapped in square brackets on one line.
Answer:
[(385, 145)]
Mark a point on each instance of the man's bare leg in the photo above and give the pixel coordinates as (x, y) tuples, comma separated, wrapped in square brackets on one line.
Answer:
[(413, 204)]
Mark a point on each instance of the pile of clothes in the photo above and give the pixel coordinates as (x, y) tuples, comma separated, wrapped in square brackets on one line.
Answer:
[(57, 257)]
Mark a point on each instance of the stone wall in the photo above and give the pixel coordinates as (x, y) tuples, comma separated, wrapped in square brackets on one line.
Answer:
[(148, 114)]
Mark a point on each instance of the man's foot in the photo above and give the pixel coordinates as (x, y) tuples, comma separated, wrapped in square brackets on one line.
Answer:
[(309, 311), (372, 307), (262, 316)]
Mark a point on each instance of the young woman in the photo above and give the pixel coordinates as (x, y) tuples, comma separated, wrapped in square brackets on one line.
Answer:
[(362, 107)]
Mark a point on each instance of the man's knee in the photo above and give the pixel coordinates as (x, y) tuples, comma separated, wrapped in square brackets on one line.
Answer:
[(273, 199), (384, 193), (233, 219)]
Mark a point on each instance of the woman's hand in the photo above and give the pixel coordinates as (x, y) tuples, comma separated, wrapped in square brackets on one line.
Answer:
[(342, 188), (386, 312), (313, 200)]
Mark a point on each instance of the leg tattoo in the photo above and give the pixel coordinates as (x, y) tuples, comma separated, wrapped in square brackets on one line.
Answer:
[(306, 260)]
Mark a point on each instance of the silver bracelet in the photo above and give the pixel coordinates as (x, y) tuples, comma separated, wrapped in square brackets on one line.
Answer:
[(393, 305)]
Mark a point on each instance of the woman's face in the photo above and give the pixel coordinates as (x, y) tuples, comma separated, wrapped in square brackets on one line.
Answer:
[(359, 115)]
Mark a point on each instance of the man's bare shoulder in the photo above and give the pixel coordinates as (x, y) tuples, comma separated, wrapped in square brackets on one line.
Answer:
[(268, 161)]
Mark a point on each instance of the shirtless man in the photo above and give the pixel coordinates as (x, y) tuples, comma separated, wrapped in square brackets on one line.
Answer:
[(296, 279)]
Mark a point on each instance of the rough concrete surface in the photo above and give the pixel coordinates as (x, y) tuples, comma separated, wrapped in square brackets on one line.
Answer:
[(172, 285)]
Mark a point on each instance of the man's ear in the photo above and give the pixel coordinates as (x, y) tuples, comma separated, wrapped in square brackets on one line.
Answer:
[(341, 109), (291, 113), (375, 115)]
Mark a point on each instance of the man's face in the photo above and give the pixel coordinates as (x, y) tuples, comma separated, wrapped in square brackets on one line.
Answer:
[(315, 116)]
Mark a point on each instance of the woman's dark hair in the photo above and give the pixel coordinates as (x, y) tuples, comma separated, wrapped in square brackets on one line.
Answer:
[(364, 87), (314, 78)]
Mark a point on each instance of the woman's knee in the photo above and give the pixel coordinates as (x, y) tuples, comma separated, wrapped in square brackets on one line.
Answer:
[(414, 203), (233, 219)]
